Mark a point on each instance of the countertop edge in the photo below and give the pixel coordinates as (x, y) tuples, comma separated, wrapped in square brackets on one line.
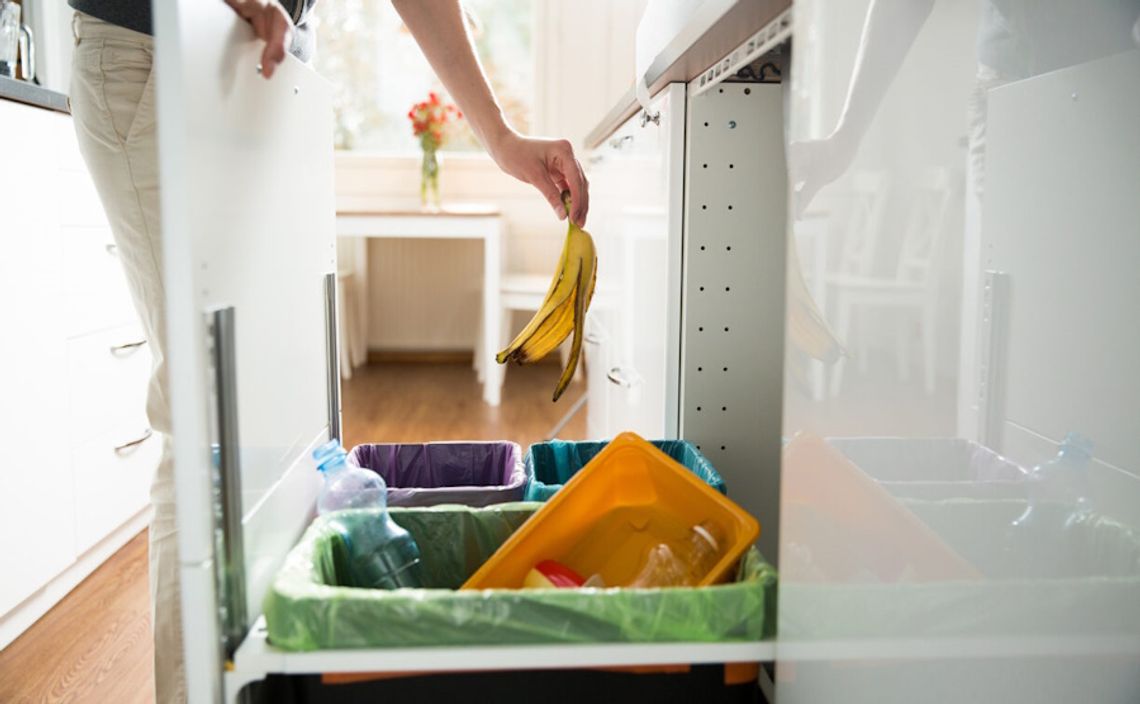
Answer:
[(33, 95), (678, 63)]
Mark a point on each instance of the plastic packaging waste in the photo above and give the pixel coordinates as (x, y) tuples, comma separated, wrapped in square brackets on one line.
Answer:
[(372, 551), (346, 486), (1062, 481), (682, 563), (1059, 500)]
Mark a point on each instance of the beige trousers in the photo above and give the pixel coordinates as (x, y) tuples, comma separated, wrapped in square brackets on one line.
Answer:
[(112, 104)]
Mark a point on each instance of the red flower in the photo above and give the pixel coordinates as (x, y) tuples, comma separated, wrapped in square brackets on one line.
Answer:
[(433, 98)]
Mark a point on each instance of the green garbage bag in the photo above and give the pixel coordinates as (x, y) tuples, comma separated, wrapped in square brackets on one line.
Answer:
[(551, 464), (305, 609)]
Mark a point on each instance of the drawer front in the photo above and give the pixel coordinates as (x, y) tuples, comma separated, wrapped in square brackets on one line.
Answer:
[(95, 286), (108, 374), (112, 479)]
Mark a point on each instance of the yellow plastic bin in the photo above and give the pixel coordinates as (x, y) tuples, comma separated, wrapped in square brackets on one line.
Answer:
[(628, 499)]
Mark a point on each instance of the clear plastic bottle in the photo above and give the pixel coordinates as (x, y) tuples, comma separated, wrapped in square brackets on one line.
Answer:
[(1058, 492), (373, 551), (346, 486), (682, 563), (1062, 481)]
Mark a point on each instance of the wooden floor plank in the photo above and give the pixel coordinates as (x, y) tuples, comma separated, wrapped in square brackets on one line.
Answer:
[(95, 645)]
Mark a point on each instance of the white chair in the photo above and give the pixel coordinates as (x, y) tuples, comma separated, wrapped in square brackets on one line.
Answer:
[(914, 285)]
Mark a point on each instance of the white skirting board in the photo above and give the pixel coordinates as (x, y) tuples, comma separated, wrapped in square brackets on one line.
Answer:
[(32, 609)]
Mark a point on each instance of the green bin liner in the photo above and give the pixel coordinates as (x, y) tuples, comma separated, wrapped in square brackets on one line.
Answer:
[(551, 464), (306, 610)]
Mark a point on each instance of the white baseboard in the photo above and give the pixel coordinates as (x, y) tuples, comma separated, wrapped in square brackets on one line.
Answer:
[(30, 610)]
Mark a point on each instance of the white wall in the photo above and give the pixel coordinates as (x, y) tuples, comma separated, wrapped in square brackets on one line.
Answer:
[(424, 295)]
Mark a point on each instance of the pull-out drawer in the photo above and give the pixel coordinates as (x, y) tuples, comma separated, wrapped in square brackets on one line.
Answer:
[(112, 472), (95, 288), (107, 380)]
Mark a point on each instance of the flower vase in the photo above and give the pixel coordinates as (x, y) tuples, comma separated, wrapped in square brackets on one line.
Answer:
[(429, 181)]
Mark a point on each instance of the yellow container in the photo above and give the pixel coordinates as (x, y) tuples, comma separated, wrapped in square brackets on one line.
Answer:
[(604, 521)]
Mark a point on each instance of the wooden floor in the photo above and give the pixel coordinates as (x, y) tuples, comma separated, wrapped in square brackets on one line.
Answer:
[(421, 402), (95, 646)]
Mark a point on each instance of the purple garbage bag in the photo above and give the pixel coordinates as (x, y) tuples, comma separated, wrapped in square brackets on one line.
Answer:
[(426, 474)]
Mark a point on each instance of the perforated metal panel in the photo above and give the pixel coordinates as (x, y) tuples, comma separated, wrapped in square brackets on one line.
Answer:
[(732, 346)]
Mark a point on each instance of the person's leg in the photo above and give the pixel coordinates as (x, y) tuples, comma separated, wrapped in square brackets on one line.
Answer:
[(112, 103)]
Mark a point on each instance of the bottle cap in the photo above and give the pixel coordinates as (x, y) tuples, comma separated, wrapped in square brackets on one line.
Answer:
[(328, 454)]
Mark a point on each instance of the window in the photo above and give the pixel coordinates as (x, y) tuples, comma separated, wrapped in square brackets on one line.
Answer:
[(379, 72)]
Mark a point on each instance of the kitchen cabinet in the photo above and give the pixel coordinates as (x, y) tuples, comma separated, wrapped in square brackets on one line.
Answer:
[(74, 369), (632, 350)]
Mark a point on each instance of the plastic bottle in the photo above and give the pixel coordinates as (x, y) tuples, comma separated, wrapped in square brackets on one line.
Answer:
[(682, 563), (1062, 481), (373, 552), (345, 486), (1058, 493)]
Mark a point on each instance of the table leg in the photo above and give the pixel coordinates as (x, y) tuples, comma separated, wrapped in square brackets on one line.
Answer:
[(492, 265)]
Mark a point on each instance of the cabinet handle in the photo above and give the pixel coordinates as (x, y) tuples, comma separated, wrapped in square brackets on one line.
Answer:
[(625, 378), (118, 350), (646, 118), (112, 249), (592, 339), (122, 449)]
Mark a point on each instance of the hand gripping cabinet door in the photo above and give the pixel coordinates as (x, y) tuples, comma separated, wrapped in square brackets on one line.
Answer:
[(249, 257)]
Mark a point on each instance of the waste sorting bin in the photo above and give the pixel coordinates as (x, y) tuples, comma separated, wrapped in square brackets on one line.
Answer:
[(934, 468), (306, 609), (551, 464), (427, 474)]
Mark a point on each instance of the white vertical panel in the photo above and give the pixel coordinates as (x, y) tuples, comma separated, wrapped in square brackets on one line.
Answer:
[(733, 291), (1073, 257), (248, 222)]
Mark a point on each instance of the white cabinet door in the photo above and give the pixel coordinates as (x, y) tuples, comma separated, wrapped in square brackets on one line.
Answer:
[(36, 492), (636, 222), (248, 227)]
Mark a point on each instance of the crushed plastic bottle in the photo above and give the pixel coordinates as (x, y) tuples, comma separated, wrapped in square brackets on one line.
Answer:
[(1059, 498), (374, 552), (346, 486), (1062, 481), (682, 563)]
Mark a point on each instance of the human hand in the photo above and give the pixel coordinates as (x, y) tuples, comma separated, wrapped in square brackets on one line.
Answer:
[(271, 24), (814, 164), (550, 166)]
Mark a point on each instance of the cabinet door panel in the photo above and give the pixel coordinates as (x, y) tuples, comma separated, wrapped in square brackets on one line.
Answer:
[(36, 493)]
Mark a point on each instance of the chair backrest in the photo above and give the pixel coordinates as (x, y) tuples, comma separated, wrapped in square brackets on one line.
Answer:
[(870, 191), (924, 227)]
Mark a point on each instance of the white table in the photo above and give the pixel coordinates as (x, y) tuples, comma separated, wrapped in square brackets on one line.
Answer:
[(453, 222)]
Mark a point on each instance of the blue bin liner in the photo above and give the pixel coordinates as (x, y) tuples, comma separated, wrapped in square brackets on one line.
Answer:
[(551, 464)]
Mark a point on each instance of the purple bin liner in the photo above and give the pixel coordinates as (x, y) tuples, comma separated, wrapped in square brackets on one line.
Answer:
[(426, 474)]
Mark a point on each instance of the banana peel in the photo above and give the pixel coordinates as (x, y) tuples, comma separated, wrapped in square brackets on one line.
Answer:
[(563, 310)]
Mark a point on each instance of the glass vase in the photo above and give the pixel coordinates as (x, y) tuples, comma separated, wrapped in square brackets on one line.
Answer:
[(429, 181)]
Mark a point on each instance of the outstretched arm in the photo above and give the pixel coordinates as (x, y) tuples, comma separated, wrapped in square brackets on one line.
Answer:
[(888, 35), (547, 164)]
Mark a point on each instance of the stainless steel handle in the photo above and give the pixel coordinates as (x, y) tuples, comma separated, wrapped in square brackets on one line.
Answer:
[(230, 557), (28, 52), (112, 249), (620, 142), (646, 118), (623, 377), (122, 449), (332, 359), (118, 350)]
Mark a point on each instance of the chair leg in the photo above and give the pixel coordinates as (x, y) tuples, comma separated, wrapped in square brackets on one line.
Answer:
[(929, 347), (902, 350), (843, 330), (477, 356)]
